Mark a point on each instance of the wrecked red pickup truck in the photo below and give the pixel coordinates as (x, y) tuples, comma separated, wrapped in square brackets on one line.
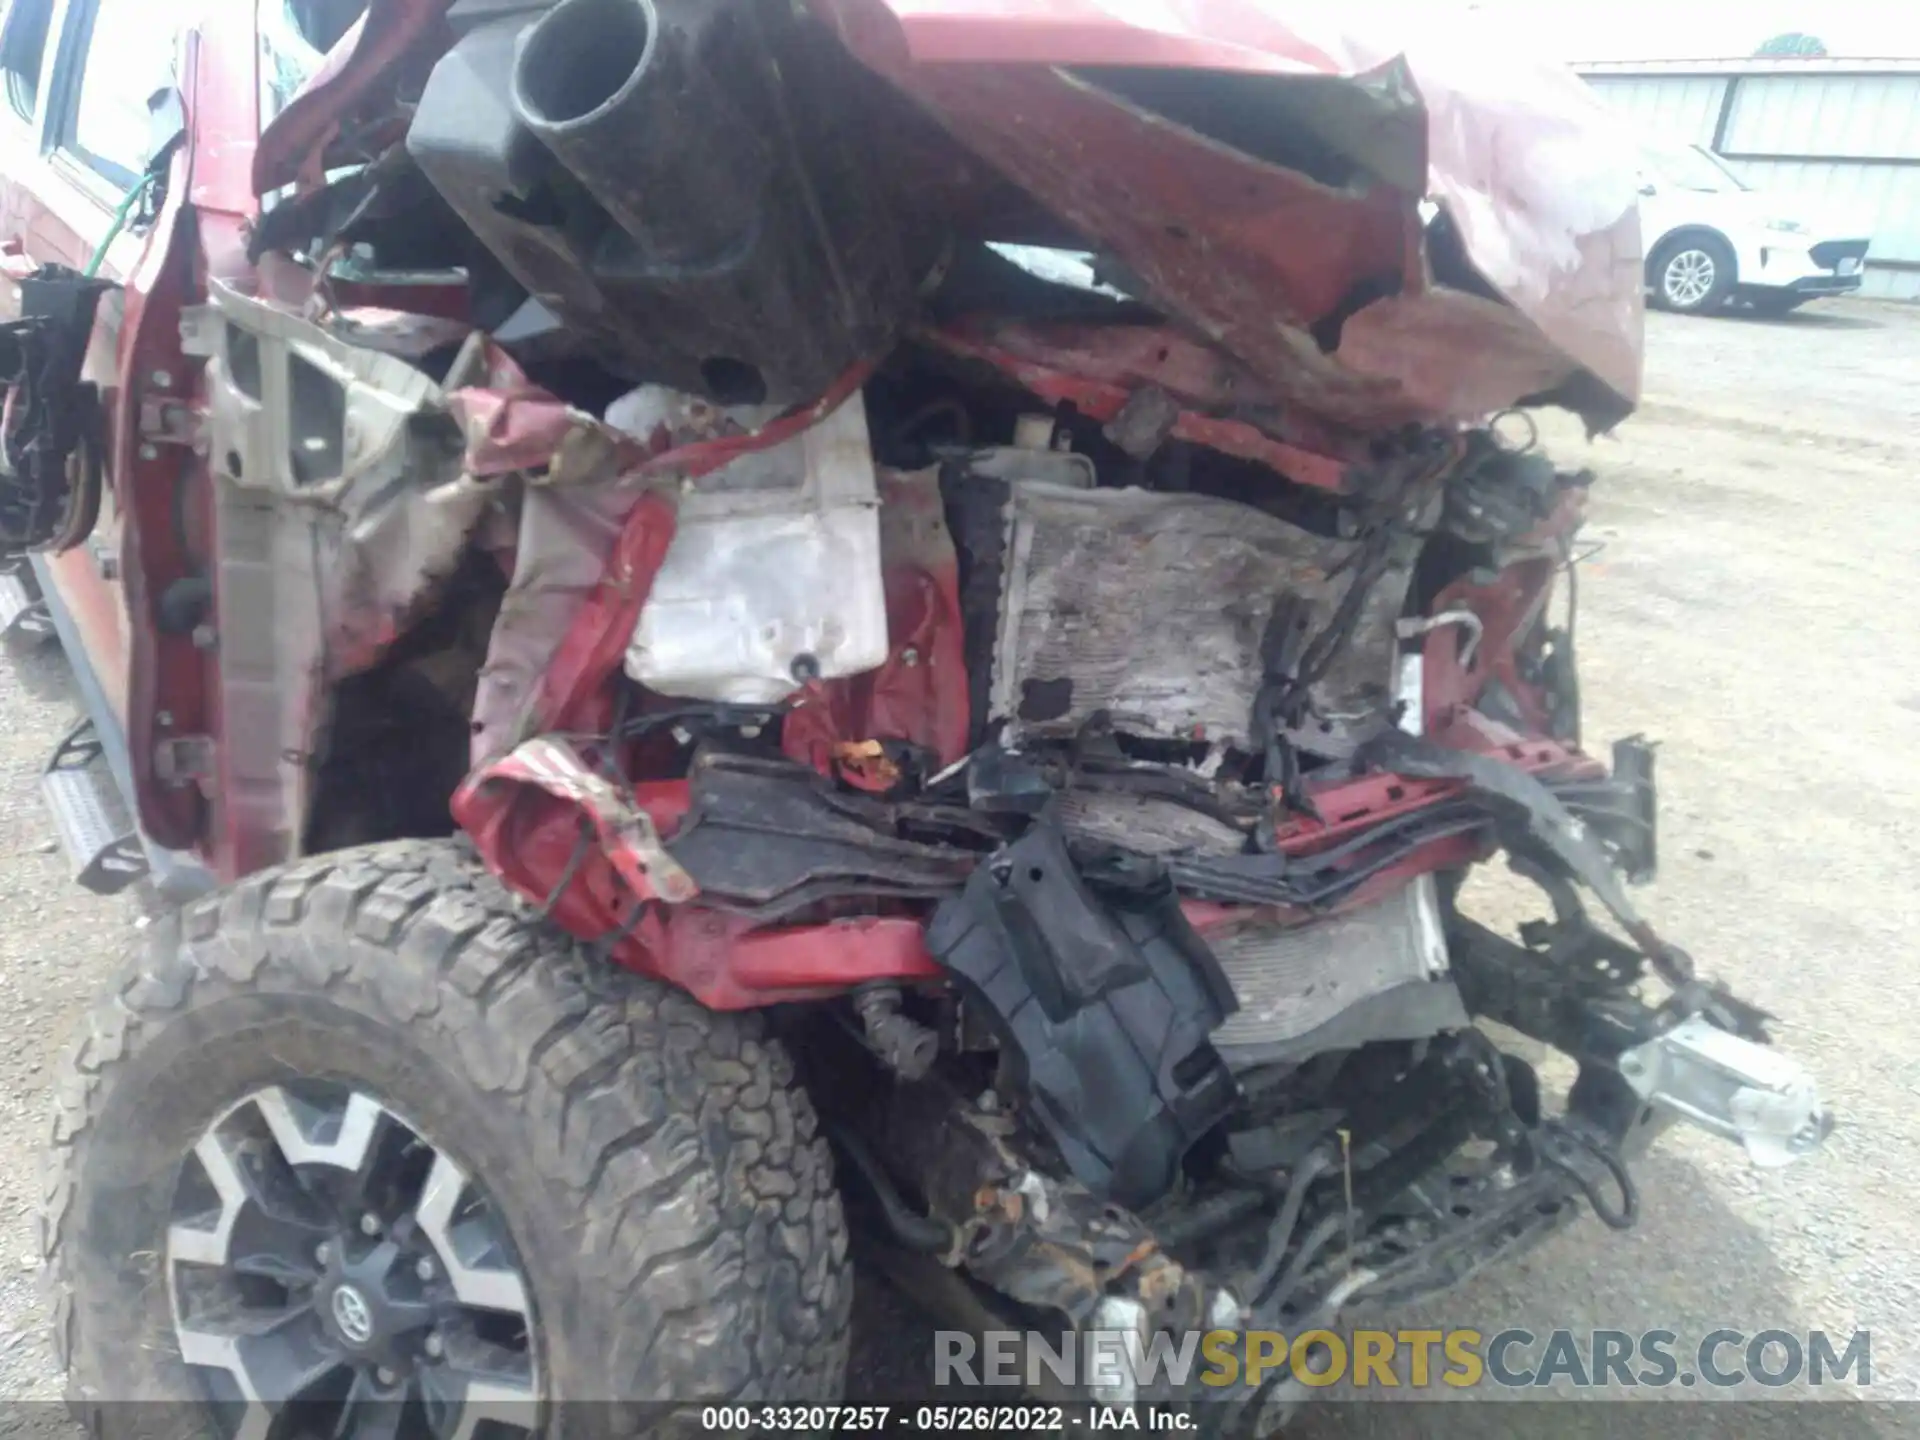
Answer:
[(894, 618)]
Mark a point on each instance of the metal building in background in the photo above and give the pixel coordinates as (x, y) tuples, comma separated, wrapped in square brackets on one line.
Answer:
[(1845, 133)]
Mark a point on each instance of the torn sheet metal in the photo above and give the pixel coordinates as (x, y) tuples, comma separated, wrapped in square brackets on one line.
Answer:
[(340, 500), (919, 693), (1146, 130), (774, 575), (573, 512), (595, 528), (626, 833)]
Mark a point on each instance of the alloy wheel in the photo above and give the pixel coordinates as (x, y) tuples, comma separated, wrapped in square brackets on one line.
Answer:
[(1688, 278), (333, 1272)]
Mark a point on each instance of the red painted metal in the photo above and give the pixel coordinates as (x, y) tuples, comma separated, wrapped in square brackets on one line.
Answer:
[(531, 836), (532, 840), (572, 692), (201, 231), (293, 147), (1509, 606), (1096, 369), (1524, 159), (1259, 258), (729, 965)]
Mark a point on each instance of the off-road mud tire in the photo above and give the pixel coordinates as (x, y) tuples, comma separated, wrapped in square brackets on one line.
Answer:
[(672, 1205)]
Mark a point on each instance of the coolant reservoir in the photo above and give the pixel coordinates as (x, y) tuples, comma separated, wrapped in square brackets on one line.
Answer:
[(774, 569)]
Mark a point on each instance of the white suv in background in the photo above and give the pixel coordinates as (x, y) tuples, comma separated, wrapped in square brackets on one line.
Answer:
[(1711, 238)]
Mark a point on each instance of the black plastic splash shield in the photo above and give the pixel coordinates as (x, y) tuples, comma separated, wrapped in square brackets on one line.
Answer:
[(1101, 989)]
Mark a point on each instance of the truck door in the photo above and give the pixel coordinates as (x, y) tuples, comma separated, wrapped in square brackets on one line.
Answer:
[(75, 134)]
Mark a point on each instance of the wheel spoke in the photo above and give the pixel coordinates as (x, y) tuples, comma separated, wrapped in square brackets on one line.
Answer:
[(457, 1405), (347, 1149), (483, 1287), (269, 1370), (404, 1316), (278, 1247), (1689, 277), (197, 1244), (222, 1352), (366, 1414), (256, 1231)]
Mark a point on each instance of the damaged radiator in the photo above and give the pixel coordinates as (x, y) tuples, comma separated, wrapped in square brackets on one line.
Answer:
[(1378, 972), (1152, 607)]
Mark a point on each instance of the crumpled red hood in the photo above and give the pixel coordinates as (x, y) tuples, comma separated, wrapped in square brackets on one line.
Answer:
[(1330, 289)]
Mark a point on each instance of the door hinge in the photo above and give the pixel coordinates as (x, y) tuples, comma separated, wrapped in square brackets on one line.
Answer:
[(184, 760), (166, 421)]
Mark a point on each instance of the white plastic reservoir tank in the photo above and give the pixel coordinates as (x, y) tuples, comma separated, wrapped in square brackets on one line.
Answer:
[(775, 565)]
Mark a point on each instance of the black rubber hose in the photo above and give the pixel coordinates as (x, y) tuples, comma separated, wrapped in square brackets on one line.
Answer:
[(921, 1233), (1309, 1250), (1561, 1141), (1208, 1217), (1310, 1170)]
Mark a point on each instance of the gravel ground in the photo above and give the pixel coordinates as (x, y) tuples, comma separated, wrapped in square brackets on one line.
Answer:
[(1752, 608)]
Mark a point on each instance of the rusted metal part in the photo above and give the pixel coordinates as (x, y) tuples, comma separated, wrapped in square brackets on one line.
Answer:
[(1041, 1242)]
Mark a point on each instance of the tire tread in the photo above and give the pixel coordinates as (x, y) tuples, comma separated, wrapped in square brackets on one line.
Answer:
[(634, 1101)]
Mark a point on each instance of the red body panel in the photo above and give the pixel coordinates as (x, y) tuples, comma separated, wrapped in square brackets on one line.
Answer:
[(1521, 155)]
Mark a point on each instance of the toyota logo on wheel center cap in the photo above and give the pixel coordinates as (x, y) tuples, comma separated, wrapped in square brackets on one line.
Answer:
[(352, 1314)]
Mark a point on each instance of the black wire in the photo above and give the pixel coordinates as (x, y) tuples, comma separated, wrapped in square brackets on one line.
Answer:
[(1198, 1222), (926, 1234), (569, 874), (724, 714), (616, 732), (607, 943)]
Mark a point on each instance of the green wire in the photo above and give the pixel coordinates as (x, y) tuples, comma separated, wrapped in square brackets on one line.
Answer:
[(120, 215)]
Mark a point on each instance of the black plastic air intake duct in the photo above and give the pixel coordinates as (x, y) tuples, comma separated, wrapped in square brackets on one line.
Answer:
[(680, 183)]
